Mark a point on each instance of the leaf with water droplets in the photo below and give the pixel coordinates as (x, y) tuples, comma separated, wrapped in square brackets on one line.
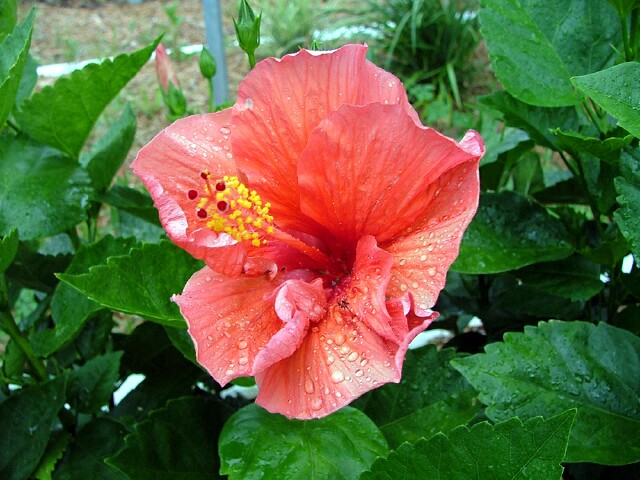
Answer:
[(147, 278), (628, 188), (506, 451), (535, 46), (562, 365), (432, 397), (42, 192), (617, 90), (256, 444), (509, 232), (26, 419)]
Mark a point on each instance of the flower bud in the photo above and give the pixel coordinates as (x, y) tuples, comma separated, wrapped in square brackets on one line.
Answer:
[(165, 70), (247, 28), (207, 64)]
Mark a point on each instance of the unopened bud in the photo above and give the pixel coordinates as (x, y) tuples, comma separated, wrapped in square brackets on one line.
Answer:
[(247, 28), (207, 64)]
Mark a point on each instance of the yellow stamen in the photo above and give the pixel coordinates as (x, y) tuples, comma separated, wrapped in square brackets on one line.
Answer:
[(229, 206)]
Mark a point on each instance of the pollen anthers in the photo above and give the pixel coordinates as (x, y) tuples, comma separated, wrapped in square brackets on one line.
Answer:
[(228, 206)]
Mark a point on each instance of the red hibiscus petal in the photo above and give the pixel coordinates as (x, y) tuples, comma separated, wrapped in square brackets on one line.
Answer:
[(362, 293), (339, 360), (297, 304), (424, 253), (282, 100), (230, 320), (364, 166), (170, 167)]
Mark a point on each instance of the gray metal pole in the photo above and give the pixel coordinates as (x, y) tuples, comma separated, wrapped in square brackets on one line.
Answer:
[(215, 44)]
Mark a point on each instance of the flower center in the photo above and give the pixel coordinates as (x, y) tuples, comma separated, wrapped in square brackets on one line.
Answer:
[(228, 206)]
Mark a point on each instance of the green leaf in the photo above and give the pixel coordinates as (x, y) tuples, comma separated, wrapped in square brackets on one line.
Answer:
[(432, 397), (13, 360), (110, 151), (617, 90), (34, 270), (55, 449), (628, 188), (624, 7), (607, 149), (8, 16), (132, 201), (177, 442), (71, 309), (256, 444), (563, 365), (535, 46), (98, 440), (26, 419), (509, 450), (14, 50), (91, 385), (167, 373), (8, 249), (510, 232), (537, 122), (575, 278), (147, 278), (41, 192), (63, 115), (183, 342)]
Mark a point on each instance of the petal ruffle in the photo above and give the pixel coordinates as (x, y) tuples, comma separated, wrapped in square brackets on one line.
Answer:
[(366, 165), (281, 101), (170, 167), (230, 320), (298, 304), (424, 252), (338, 361)]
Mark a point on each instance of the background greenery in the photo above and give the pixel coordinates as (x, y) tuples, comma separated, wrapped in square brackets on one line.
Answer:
[(548, 388)]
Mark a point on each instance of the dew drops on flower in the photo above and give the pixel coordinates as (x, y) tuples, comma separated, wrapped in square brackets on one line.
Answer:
[(327, 219)]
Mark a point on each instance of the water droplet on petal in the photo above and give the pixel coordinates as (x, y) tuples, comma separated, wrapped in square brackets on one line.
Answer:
[(330, 359), (337, 376), (340, 339), (432, 271), (242, 345), (316, 403), (353, 356), (358, 373), (243, 361), (308, 386)]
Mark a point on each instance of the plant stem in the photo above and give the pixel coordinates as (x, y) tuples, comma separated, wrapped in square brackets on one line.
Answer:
[(8, 324), (212, 103), (628, 54), (252, 59), (634, 33)]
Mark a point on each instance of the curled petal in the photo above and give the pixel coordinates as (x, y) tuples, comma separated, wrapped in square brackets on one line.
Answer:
[(338, 361), (230, 320), (297, 304), (365, 165), (170, 166), (281, 101), (424, 252)]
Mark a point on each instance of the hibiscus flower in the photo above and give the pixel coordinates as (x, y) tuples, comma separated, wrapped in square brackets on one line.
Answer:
[(327, 217)]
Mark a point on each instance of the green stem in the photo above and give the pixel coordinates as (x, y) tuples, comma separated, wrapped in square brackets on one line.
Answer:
[(212, 103), (252, 59), (8, 324), (578, 172), (75, 239), (628, 54), (635, 32)]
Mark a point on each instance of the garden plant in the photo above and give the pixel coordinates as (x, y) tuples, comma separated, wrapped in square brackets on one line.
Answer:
[(266, 279)]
